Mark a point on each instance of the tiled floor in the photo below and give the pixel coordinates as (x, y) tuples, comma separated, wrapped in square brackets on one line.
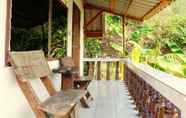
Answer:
[(111, 100)]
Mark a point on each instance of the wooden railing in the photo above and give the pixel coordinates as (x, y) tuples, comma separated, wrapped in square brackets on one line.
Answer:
[(156, 94), (95, 67)]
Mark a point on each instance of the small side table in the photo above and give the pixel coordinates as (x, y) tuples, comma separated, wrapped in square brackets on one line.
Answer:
[(68, 75)]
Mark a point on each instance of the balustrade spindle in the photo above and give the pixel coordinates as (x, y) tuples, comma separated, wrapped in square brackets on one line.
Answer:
[(117, 70), (149, 102), (91, 70), (108, 71), (98, 70)]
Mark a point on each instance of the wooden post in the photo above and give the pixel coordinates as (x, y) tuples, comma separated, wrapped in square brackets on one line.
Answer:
[(50, 14), (91, 70), (76, 35), (117, 70), (98, 70), (123, 26), (108, 71), (42, 36), (48, 85)]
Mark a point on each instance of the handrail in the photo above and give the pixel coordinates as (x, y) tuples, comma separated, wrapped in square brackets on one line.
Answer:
[(95, 64), (107, 59), (160, 76), (167, 86), (170, 87)]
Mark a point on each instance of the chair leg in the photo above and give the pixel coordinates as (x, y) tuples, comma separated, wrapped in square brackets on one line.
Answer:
[(88, 95), (83, 102), (74, 113)]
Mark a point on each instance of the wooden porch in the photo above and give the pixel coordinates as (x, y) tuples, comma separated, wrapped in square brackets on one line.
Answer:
[(111, 100), (142, 93), (145, 92)]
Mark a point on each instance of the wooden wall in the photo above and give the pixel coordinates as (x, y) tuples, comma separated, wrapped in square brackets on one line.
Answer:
[(5, 24), (94, 22)]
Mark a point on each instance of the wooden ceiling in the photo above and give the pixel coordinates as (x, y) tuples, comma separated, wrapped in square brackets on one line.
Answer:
[(133, 9)]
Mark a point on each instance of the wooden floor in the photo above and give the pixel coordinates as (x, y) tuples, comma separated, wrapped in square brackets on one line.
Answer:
[(111, 100)]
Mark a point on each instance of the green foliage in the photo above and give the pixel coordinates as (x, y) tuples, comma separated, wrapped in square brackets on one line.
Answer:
[(59, 42), (163, 42), (24, 40), (143, 30), (37, 38), (113, 24), (136, 52), (116, 46), (171, 63), (92, 47), (59, 37), (174, 48)]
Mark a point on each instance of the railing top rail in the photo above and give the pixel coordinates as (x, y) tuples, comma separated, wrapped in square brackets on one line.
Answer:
[(171, 81), (171, 87), (106, 59)]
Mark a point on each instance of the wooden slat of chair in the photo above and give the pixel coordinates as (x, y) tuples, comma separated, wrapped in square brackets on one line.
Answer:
[(63, 103), (48, 85), (31, 97)]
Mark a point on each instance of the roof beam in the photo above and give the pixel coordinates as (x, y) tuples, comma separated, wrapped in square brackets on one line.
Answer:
[(111, 4), (93, 19), (90, 6), (128, 6), (160, 5)]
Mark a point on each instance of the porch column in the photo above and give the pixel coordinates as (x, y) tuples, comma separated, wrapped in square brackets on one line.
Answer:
[(124, 41), (5, 26), (81, 39), (124, 44), (69, 27), (50, 14), (79, 3)]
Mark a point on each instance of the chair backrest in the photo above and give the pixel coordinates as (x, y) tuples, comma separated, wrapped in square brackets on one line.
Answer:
[(67, 62), (29, 65)]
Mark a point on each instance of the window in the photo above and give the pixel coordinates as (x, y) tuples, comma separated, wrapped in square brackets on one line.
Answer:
[(30, 26)]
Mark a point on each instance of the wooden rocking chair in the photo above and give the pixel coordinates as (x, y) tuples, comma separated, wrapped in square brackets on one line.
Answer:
[(31, 65)]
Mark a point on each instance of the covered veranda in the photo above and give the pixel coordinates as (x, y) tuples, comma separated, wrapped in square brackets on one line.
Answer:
[(142, 93)]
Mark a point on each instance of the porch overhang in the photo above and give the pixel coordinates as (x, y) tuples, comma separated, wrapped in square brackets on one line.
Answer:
[(139, 10)]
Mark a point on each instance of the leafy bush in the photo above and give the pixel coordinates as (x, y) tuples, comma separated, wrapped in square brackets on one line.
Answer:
[(92, 47)]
